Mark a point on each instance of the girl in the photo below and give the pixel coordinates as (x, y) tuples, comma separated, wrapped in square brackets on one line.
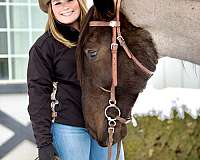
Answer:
[(52, 59)]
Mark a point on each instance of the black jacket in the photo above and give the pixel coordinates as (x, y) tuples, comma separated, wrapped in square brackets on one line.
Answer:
[(49, 61)]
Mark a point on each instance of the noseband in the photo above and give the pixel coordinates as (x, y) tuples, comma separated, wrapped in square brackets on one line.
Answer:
[(116, 36)]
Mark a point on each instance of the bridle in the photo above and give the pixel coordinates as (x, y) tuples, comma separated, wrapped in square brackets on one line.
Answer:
[(116, 36)]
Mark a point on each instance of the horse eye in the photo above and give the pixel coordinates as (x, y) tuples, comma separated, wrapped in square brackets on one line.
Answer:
[(91, 54)]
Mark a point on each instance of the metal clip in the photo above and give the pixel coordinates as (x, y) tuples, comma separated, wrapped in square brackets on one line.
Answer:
[(121, 40), (114, 46)]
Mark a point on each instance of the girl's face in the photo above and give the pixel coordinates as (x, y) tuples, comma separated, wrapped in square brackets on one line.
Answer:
[(66, 11)]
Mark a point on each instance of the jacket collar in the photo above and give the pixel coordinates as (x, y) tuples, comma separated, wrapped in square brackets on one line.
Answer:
[(67, 31)]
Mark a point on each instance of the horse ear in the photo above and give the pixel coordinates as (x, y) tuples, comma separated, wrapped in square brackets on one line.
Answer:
[(104, 7)]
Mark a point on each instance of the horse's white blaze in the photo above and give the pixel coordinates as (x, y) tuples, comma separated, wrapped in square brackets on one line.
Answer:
[(173, 24)]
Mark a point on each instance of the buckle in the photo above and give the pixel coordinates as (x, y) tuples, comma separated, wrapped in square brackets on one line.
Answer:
[(121, 40), (114, 46), (114, 24)]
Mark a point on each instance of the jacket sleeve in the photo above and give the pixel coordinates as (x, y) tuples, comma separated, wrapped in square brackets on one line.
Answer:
[(39, 80)]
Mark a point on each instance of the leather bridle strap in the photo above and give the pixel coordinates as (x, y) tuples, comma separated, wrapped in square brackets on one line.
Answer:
[(131, 56), (114, 46), (110, 139), (104, 24)]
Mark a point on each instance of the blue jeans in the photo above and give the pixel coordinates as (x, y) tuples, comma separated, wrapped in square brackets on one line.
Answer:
[(75, 143)]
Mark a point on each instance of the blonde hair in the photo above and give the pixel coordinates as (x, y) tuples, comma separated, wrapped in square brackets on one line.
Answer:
[(51, 23)]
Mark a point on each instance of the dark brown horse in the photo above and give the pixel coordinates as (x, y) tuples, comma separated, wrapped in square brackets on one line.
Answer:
[(94, 69)]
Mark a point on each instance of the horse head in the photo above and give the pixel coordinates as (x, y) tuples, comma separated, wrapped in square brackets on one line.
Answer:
[(94, 67)]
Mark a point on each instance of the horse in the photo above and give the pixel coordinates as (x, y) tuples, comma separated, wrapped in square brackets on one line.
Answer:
[(94, 69), (173, 24)]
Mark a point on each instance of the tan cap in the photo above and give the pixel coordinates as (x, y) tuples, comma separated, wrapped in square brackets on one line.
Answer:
[(44, 5)]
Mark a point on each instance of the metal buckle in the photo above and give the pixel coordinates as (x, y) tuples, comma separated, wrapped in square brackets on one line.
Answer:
[(114, 24), (114, 46), (121, 40), (120, 37)]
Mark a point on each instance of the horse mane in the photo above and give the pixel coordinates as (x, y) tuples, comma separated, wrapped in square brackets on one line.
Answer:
[(81, 42)]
